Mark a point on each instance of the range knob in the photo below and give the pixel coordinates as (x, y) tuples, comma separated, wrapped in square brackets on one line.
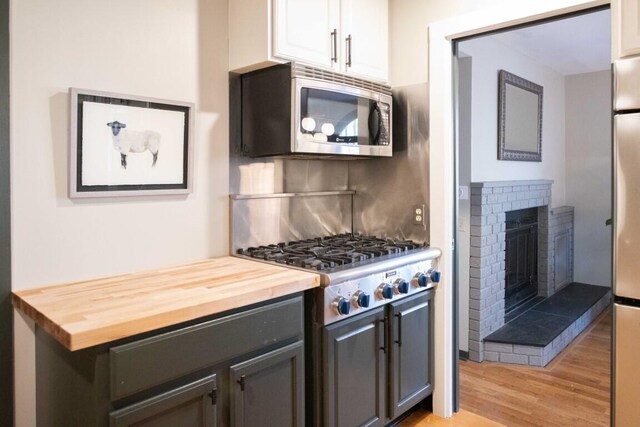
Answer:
[(420, 280), (341, 305), (434, 275), (401, 286), (360, 299), (384, 291)]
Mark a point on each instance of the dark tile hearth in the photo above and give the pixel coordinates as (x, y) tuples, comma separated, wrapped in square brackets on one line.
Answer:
[(509, 316), (542, 323)]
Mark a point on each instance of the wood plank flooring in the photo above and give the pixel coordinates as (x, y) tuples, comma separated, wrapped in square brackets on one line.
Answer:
[(573, 390)]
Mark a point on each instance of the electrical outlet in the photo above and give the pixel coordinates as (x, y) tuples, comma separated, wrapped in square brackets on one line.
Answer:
[(417, 212)]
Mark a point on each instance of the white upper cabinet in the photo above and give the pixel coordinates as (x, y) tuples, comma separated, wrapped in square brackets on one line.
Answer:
[(306, 31), (626, 27), (365, 37), (347, 36)]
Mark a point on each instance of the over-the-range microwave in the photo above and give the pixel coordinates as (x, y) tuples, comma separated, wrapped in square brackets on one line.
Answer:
[(292, 110)]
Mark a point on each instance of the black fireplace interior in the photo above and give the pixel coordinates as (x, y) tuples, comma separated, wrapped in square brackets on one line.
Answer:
[(521, 259)]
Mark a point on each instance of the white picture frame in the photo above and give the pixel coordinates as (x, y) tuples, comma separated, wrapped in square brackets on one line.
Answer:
[(126, 145)]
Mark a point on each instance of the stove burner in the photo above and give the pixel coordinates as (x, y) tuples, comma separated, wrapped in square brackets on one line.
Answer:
[(329, 252)]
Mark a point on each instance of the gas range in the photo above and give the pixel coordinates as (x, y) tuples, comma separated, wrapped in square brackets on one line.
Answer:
[(358, 273)]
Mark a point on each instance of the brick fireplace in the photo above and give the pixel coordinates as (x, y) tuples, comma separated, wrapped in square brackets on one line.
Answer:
[(490, 201)]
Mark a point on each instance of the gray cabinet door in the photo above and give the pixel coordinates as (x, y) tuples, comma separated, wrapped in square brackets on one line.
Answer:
[(192, 405), (268, 390), (354, 373), (410, 356)]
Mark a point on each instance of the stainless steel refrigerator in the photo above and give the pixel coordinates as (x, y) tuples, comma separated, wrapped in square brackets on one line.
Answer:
[(626, 283)]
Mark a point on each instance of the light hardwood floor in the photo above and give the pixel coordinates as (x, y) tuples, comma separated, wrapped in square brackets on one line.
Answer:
[(573, 390)]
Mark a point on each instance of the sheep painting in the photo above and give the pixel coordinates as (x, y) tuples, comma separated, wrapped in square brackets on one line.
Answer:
[(131, 141)]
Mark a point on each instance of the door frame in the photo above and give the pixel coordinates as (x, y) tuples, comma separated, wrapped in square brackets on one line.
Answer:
[(443, 160), (6, 310)]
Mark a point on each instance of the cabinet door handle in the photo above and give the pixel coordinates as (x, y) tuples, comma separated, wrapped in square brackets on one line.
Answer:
[(334, 45), (213, 394), (399, 340), (241, 381), (348, 64), (384, 335)]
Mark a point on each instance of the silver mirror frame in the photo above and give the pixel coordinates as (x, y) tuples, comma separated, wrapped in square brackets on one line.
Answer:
[(504, 78)]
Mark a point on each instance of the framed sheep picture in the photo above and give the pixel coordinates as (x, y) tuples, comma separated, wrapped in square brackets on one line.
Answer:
[(124, 145)]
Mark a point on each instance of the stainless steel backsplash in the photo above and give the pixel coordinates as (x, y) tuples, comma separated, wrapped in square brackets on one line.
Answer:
[(386, 188)]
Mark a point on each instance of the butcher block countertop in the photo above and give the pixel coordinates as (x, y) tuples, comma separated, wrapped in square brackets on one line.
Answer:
[(85, 314)]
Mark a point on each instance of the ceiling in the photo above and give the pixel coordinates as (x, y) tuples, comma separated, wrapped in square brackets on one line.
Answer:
[(581, 44)]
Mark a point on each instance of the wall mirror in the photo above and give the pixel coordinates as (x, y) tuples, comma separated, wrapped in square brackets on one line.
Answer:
[(519, 118)]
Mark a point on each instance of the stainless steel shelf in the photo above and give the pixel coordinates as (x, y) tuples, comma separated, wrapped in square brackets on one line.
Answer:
[(288, 195)]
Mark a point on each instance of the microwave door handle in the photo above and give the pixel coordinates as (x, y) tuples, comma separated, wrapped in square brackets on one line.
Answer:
[(375, 124)]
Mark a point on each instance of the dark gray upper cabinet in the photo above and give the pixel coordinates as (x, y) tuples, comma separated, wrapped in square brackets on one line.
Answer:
[(354, 376), (191, 405), (269, 389), (411, 377)]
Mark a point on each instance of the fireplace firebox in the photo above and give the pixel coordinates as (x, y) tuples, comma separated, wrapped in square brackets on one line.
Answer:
[(521, 258)]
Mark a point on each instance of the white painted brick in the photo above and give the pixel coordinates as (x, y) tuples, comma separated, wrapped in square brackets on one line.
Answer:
[(491, 356), (535, 361), (498, 347), (519, 359), (528, 350)]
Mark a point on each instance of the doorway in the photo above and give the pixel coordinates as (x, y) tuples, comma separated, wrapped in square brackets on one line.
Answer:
[(534, 258)]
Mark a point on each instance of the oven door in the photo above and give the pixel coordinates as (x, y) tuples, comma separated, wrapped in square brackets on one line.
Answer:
[(331, 118)]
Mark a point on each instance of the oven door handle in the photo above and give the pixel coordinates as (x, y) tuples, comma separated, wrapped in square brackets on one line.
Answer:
[(399, 340), (382, 324)]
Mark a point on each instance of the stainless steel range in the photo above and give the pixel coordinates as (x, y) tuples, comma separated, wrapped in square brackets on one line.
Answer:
[(369, 332), (358, 273)]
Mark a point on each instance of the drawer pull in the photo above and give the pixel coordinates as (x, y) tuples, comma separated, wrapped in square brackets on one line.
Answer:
[(241, 382)]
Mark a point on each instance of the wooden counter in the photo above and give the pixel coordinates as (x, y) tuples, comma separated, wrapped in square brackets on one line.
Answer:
[(85, 314)]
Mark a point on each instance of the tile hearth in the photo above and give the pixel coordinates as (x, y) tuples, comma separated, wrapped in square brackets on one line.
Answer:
[(537, 336)]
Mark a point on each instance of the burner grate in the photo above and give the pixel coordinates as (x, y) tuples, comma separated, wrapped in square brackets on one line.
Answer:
[(323, 253)]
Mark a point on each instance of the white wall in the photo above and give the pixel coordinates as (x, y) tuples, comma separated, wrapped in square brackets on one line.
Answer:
[(158, 48), (408, 25), (588, 151), (490, 56)]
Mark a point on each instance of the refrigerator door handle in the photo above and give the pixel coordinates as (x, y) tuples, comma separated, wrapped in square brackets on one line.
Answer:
[(626, 222)]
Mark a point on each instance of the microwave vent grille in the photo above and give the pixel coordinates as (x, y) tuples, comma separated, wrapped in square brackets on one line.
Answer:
[(299, 70)]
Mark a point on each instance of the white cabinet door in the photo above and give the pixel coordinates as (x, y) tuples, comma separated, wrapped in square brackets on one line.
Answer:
[(303, 31), (626, 27), (365, 38)]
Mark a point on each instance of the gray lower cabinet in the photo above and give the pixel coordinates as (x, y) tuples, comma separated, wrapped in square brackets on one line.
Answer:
[(354, 376), (378, 365), (268, 390), (192, 405), (188, 375), (410, 365)]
